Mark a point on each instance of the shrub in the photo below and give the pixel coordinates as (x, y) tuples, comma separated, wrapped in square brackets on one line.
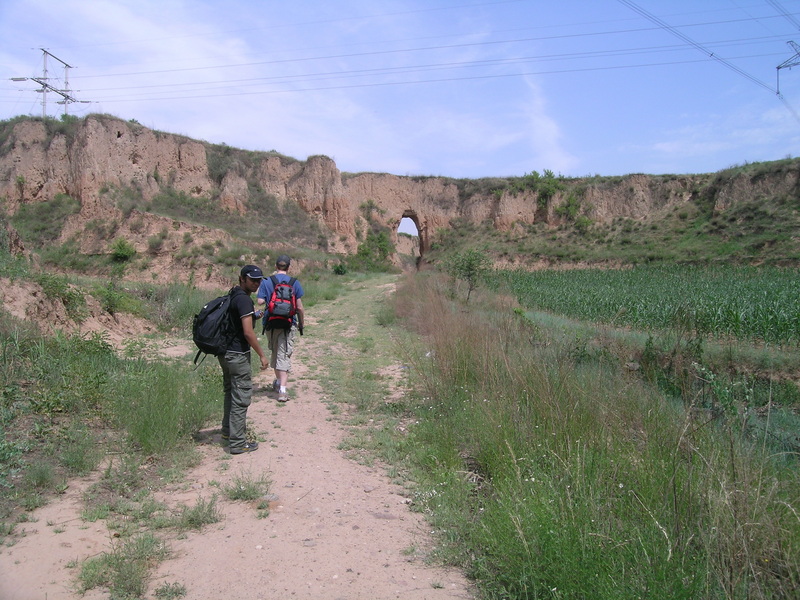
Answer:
[(373, 253), (122, 250)]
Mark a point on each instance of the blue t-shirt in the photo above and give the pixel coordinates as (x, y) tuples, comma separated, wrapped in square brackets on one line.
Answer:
[(266, 288)]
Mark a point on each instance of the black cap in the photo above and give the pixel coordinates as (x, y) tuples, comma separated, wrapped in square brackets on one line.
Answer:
[(251, 271), (283, 261)]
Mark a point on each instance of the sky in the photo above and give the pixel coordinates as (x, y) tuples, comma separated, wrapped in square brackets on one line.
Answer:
[(457, 88)]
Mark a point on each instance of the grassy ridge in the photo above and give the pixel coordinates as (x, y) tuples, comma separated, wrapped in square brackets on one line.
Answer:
[(554, 474)]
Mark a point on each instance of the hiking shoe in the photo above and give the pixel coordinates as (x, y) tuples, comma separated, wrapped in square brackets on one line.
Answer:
[(276, 386), (248, 447), (284, 397), (226, 436)]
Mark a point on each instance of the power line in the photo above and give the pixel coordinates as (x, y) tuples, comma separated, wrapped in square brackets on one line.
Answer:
[(789, 17), (448, 65), (419, 68), (375, 53), (633, 6), (399, 83)]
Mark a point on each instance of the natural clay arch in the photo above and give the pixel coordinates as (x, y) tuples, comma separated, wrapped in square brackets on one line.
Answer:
[(421, 231)]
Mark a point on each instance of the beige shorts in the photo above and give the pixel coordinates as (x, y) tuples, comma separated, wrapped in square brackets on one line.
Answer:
[(281, 344)]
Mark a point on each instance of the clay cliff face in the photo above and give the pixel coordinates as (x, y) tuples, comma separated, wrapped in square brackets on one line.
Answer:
[(39, 161)]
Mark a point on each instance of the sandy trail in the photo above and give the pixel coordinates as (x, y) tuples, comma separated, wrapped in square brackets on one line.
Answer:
[(336, 530)]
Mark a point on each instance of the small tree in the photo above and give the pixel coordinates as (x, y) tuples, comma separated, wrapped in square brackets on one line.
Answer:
[(469, 266)]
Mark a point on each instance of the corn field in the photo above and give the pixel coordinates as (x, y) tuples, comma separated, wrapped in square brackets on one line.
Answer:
[(760, 304)]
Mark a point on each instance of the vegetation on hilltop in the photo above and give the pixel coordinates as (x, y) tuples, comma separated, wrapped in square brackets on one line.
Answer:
[(761, 230)]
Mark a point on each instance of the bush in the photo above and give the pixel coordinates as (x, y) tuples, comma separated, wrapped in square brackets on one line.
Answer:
[(58, 287), (373, 253), (122, 250)]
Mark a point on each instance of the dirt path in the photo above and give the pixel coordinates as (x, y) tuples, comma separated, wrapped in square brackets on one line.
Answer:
[(336, 529)]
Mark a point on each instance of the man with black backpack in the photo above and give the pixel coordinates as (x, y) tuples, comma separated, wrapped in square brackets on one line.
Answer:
[(281, 296), (235, 362)]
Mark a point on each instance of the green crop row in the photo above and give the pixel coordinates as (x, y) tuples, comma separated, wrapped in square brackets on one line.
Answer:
[(747, 303)]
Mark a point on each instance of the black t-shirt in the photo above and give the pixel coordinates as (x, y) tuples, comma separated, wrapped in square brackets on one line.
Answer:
[(241, 306)]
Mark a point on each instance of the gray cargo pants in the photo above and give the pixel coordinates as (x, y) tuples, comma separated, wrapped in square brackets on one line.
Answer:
[(238, 387)]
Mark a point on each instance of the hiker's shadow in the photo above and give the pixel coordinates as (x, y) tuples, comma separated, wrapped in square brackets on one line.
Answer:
[(211, 437)]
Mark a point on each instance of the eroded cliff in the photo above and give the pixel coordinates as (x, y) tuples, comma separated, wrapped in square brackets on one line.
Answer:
[(89, 157)]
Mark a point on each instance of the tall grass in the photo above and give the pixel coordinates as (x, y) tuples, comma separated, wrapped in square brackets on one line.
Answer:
[(159, 406), (63, 395), (554, 475)]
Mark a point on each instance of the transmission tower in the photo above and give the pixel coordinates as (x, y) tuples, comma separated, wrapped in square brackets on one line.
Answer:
[(65, 94), (788, 64)]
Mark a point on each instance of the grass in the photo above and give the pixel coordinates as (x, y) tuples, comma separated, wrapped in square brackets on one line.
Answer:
[(124, 571), (68, 400), (40, 224), (353, 373), (170, 591), (760, 230), (247, 487), (204, 512), (551, 473), (69, 404), (653, 476)]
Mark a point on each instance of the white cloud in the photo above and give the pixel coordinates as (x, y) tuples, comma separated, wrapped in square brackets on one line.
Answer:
[(477, 121), (544, 133)]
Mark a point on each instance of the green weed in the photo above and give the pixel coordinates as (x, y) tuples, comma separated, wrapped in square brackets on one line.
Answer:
[(170, 591), (125, 570), (40, 223), (246, 486), (203, 513), (160, 407)]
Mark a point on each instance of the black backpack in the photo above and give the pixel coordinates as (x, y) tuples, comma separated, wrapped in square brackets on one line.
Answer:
[(281, 306), (213, 328)]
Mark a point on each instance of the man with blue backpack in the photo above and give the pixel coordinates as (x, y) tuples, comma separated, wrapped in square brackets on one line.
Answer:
[(281, 295)]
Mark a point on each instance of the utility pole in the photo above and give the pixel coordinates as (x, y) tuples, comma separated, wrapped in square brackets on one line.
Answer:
[(46, 87)]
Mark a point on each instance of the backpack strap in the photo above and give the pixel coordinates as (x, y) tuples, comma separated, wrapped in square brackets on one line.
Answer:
[(265, 317), (196, 356), (274, 280)]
